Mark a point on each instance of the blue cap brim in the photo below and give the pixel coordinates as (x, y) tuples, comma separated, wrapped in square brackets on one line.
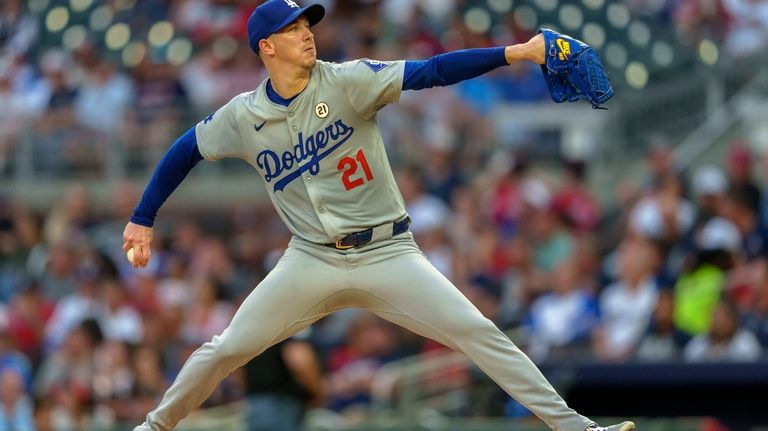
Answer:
[(314, 14)]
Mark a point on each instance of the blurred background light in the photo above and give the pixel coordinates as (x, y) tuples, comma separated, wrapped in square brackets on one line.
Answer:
[(615, 55), (134, 53), (547, 5), (571, 17), (74, 37), (594, 35), (500, 6), (636, 74), (477, 20), (117, 36), (124, 4), (80, 5), (100, 18), (526, 18), (708, 52), (662, 53), (179, 51), (161, 33), (639, 33), (618, 15), (594, 4), (57, 19)]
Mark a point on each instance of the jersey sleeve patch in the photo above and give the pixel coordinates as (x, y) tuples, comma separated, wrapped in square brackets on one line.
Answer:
[(376, 65)]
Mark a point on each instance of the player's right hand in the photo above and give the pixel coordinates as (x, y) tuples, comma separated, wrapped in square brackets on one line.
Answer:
[(138, 238)]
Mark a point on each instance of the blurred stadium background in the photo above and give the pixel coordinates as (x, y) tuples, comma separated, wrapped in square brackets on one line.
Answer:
[(625, 250)]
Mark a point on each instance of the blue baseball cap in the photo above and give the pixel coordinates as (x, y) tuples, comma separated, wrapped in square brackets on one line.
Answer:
[(273, 15)]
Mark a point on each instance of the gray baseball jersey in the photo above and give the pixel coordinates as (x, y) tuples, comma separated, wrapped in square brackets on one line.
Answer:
[(322, 157)]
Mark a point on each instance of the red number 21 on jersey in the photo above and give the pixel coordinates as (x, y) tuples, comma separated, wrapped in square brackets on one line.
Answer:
[(349, 166)]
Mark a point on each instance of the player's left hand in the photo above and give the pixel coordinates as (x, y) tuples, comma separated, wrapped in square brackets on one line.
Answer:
[(138, 238), (573, 71)]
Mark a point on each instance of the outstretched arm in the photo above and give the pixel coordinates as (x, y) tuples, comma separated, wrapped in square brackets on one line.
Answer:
[(169, 173), (450, 68)]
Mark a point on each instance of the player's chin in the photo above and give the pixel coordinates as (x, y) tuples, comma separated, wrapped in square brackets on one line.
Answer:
[(309, 61)]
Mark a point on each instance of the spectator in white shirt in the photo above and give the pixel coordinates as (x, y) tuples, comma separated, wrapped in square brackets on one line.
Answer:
[(563, 317), (626, 305)]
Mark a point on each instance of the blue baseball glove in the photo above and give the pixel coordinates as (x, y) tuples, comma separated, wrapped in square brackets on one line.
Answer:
[(573, 71)]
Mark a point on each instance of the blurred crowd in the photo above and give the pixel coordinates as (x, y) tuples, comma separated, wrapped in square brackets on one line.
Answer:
[(679, 273), (676, 271), (74, 99), (739, 26), (74, 104)]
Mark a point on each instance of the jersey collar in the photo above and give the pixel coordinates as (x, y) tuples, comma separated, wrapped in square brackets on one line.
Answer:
[(276, 98), (280, 104)]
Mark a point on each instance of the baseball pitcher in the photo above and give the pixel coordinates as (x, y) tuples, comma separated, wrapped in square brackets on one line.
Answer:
[(310, 131)]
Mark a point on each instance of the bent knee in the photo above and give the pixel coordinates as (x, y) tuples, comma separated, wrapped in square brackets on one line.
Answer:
[(239, 349), (228, 349)]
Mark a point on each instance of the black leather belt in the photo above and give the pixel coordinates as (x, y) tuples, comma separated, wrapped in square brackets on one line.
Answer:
[(361, 238)]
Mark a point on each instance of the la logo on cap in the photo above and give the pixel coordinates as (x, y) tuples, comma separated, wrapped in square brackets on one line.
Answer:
[(291, 3)]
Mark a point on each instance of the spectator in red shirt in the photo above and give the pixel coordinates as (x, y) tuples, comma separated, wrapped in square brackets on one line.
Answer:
[(574, 201)]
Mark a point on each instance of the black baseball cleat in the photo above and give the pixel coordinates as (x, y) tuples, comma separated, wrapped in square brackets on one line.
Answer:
[(624, 426)]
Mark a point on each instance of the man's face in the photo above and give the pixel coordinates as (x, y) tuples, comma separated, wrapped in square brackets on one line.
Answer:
[(295, 43)]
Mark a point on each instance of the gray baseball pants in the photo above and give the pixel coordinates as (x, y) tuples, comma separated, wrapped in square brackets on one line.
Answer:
[(391, 278)]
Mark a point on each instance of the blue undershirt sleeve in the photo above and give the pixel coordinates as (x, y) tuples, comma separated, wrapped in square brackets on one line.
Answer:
[(452, 67), (169, 173)]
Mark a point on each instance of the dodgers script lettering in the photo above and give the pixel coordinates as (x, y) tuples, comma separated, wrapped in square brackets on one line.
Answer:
[(309, 148)]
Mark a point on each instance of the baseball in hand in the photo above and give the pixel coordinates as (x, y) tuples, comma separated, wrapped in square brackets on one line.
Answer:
[(129, 255)]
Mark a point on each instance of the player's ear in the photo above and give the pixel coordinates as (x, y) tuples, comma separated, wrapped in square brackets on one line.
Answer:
[(266, 47)]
